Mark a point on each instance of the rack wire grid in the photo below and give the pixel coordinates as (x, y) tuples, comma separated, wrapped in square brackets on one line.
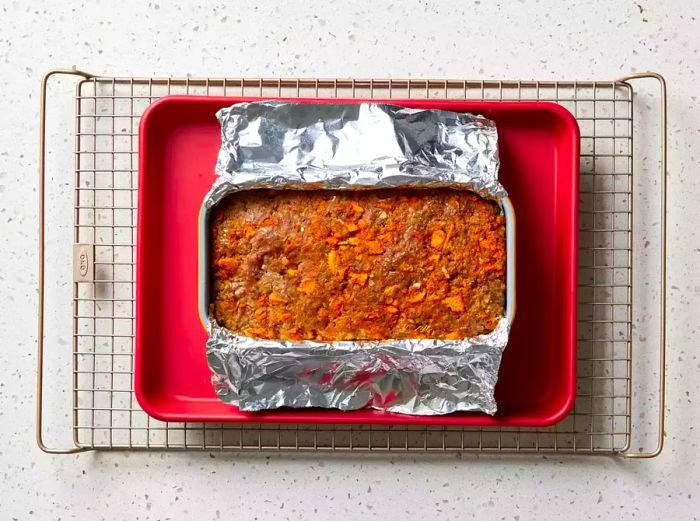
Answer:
[(105, 412)]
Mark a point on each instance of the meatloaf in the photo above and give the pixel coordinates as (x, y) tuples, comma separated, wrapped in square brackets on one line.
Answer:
[(358, 265)]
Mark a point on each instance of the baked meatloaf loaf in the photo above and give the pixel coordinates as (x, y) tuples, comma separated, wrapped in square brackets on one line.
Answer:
[(358, 265)]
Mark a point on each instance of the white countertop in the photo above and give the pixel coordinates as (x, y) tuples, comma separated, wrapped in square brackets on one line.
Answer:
[(524, 39)]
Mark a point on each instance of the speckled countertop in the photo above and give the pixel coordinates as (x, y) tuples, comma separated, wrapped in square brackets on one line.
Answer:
[(526, 39)]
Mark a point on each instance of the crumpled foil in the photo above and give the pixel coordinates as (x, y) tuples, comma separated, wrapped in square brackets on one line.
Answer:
[(285, 145)]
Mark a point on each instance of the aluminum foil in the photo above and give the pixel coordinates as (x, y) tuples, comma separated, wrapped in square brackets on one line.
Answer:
[(284, 145)]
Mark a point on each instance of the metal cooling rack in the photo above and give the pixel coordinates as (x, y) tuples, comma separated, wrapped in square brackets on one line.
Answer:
[(105, 414)]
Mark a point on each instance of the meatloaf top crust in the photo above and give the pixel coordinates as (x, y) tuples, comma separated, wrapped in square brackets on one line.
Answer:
[(358, 265)]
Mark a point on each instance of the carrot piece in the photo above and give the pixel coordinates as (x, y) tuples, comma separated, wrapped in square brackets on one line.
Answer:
[(437, 239), (374, 247), (277, 299), (307, 286), (449, 235), (455, 303), (333, 260), (248, 231), (359, 278), (227, 265), (337, 306), (416, 296), (357, 208)]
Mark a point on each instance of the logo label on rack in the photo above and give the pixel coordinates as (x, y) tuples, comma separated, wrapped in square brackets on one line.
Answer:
[(83, 263)]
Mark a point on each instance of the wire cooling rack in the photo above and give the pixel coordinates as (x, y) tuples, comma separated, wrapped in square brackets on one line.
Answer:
[(105, 414)]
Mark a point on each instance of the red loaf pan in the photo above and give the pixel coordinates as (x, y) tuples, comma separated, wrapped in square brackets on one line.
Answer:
[(179, 138)]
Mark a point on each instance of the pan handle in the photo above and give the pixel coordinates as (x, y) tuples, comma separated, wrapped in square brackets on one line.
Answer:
[(662, 304), (41, 305)]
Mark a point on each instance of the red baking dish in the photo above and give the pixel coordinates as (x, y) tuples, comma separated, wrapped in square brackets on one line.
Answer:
[(179, 138)]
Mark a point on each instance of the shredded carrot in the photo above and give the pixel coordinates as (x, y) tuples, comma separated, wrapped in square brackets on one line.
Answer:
[(437, 239), (359, 278), (455, 303), (276, 299), (307, 286), (375, 247)]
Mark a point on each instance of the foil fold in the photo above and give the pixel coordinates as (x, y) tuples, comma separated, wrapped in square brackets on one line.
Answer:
[(285, 145)]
